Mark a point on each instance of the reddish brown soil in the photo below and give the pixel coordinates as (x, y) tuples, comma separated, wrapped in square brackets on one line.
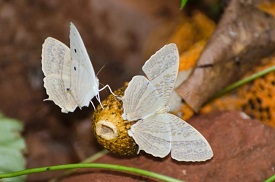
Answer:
[(244, 150)]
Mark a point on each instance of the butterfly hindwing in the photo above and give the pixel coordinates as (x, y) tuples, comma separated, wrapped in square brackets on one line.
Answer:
[(187, 143), (162, 133), (152, 135), (55, 89), (162, 68), (140, 99), (56, 63)]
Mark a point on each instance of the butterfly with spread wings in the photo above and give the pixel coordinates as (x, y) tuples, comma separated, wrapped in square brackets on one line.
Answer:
[(156, 131)]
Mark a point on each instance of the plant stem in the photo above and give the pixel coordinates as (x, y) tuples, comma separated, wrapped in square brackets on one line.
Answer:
[(244, 81), (88, 160), (92, 165), (271, 179)]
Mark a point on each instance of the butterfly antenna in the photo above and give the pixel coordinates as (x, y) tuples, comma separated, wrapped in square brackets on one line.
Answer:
[(101, 84), (105, 85), (100, 69)]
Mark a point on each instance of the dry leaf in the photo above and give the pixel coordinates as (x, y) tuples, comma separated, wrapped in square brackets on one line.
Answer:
[(244, 35)]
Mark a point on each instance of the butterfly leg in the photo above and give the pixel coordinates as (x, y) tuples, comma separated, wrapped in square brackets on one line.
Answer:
[(109, 90), (98, 99), (93, 105)]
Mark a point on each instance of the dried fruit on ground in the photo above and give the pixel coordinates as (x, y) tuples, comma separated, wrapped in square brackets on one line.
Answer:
[(110, 130)]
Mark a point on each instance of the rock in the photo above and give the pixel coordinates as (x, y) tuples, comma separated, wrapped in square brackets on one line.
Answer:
[(244, 150)]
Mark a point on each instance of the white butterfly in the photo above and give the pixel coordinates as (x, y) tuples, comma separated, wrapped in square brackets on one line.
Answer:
[(157, 132), (70, 80)]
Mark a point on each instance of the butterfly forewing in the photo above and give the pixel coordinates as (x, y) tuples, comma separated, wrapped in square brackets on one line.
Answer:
[(82, 72), (140, 99), (162, 69), (56, 62)]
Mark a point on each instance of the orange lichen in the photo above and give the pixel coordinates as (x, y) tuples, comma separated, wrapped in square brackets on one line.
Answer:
[(204, 26), (229, 102), (183, 36), (192, 30), (258, 95), (186, 111), (188, 59)]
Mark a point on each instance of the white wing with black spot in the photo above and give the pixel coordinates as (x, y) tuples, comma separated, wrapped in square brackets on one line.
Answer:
[(56, 65), (70, 80), (82, 72)]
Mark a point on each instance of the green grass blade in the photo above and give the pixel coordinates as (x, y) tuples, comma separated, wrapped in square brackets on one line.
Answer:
[(182, 4), (91, 165)]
